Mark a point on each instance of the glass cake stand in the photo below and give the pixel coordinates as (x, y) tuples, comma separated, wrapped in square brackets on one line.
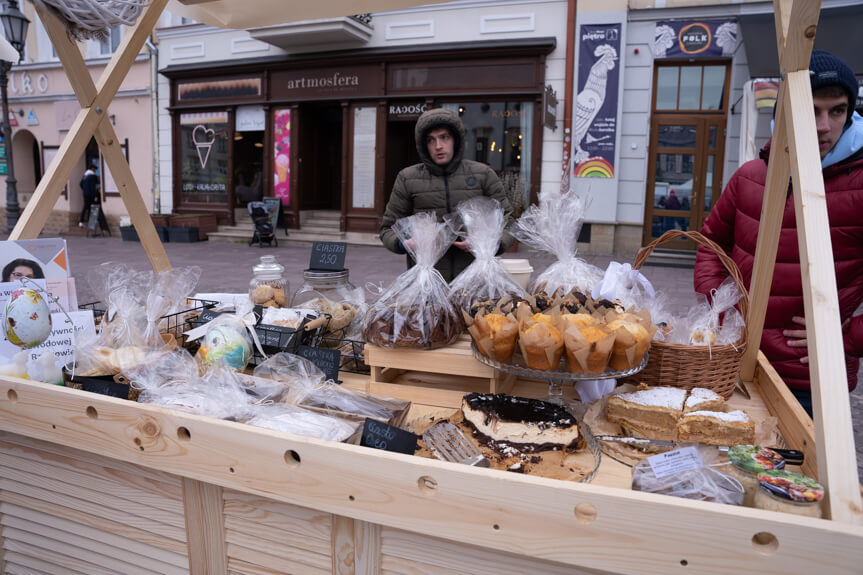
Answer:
[(555, 378)]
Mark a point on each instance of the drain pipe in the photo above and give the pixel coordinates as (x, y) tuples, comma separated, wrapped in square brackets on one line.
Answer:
[(569, 88), (154, 113)]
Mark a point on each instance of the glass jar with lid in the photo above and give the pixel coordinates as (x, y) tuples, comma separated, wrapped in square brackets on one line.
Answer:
[(789, 492), (268, 286), (747, 461), (329, 292)]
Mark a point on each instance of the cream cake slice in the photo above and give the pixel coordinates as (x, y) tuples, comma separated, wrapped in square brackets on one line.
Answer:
[(648, 412), (506, 423), (702, 399), (717, 428)]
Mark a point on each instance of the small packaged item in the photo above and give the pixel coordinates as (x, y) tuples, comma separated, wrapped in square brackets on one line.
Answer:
[(709, 482), (789, 492), (416, 310), (294, 419), (481, 222), (747, 461)]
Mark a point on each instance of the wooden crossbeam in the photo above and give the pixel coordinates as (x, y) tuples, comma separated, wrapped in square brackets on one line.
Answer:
[(794, 151), (92, 120)]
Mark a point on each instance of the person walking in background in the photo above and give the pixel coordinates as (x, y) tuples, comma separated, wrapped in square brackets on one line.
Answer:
[(440, 183), (91, 187), (733, 224)]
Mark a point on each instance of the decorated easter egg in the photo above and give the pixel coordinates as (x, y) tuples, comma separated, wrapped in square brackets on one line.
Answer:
[(227, 342), (27, 319)]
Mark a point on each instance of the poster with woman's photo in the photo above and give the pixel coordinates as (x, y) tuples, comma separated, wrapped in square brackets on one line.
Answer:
[(40, 259)]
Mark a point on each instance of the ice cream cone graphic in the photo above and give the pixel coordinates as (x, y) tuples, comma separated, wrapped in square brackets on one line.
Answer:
[(203, 139), (282, 164)]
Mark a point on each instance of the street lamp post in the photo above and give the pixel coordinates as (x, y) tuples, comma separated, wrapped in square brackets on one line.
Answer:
[(15, 29)]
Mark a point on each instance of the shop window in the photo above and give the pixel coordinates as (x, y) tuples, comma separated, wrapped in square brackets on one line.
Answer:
[(499, 134), (204, 158), (109, 44), (690, 87)]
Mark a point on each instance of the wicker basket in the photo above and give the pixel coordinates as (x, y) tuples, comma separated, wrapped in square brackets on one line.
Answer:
[(687, 366)]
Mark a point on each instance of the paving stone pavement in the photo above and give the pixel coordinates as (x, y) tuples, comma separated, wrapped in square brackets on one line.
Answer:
[(227, 267)]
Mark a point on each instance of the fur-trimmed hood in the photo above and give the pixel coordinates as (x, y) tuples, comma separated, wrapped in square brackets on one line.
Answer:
[(436, 118)]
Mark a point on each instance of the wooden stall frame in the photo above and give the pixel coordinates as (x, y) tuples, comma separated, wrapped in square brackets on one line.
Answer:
[(593, 527)]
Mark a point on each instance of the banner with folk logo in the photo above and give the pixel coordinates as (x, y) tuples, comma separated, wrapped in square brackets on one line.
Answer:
[(695, 39)]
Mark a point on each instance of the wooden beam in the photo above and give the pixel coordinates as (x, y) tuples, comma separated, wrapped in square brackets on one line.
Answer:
[(93, 119), (205, 528), (799, 33), (770, 226), (837, 469)]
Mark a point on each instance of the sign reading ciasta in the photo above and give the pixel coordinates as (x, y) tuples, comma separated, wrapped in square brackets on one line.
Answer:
[(328, 256)]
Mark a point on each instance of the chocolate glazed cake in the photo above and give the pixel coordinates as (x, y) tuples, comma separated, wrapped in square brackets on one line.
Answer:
[(510, 424)]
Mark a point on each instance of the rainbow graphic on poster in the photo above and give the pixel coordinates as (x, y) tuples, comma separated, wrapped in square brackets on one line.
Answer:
[(594, 168)]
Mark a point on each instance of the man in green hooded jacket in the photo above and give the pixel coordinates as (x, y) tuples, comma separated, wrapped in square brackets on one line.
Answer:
[(440, 183)]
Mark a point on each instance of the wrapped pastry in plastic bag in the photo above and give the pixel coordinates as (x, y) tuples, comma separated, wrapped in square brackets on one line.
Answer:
[(552, 226), (710, 324), (294, 419), (227, 339), (481, 223), (136, 303), (706, 483), (304, 384), (416, 311), (626, 285), (172, 381)]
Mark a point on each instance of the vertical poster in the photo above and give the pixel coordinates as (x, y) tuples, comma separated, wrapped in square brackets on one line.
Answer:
[(700, 39), (595, 115), (282, 155)]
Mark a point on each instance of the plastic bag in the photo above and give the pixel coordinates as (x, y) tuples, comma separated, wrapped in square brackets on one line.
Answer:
[(552, 226), (172, 380), (415, 311), (227, 340), (706, 483), (481, 222), (295, 376), (294, 419), (136, 303), (628, 286)]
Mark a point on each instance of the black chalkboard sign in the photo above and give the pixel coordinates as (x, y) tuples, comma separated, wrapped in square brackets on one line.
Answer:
[(328, 256), (93, 222), (105, 387), (328, 360), (382, 436), (274, 209), (277, 338), (208, 315)]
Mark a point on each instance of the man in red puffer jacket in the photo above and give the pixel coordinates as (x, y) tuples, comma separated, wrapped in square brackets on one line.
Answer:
[(733, 224)]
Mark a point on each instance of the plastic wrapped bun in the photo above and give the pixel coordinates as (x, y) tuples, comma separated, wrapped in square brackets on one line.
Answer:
[(416, 311), (552, 226), (707, 483), (481, 222)]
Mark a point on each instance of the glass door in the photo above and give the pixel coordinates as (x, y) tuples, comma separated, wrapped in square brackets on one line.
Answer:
[(687, 141)]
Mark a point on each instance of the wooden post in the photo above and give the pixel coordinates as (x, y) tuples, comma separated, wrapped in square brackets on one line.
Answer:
[(92, 119)]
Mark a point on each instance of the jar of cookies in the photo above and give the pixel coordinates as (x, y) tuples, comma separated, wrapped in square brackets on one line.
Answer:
[(268, 287), (332, 294)]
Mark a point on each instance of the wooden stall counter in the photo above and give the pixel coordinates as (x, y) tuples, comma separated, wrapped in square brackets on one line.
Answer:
[(93, 484)]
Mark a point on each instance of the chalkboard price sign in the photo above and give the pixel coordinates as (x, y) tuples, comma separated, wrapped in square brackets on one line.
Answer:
[(328, 256), (382, 436), (276, 337), (328, 360)]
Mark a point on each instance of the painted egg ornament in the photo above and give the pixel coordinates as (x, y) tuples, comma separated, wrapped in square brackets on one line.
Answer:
[(226, 342), (27, 319)]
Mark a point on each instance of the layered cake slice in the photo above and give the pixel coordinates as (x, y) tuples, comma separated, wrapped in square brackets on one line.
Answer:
[(507, 424), (651, 412), (701, 399), (717, 428)]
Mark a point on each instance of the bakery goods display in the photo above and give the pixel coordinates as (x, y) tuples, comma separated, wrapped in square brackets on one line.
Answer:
[(494, 334), (649, 412), (716, 427), (505, 423), (427, 327), (539, 339)]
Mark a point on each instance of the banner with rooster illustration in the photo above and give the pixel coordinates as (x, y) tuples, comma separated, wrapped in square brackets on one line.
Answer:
[(695, 39), (595, 115)]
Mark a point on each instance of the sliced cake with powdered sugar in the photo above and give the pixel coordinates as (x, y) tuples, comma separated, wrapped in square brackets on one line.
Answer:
[(716, 427)]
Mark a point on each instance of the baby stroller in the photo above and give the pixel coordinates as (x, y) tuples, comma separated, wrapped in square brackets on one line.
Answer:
[(264, 233)]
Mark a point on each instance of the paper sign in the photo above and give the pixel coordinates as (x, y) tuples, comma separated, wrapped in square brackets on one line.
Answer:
[(382, 436), (60, 341), (672, 462), (328, 360), (328, 256), (64, 297)]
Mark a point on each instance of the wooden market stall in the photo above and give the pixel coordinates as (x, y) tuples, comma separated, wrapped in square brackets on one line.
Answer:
[(91, 484)]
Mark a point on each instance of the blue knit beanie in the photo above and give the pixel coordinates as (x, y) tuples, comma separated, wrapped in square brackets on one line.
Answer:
[(825, 69)]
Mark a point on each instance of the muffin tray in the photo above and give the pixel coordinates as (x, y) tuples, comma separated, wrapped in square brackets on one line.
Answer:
[(519, 368)]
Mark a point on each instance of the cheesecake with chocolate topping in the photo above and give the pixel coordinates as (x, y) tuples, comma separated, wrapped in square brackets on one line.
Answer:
[(510, 424)]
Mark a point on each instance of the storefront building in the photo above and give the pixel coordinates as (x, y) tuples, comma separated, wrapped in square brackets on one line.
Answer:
[(42, 108)]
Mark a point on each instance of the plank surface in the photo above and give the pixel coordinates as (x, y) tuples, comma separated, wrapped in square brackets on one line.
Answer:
[(205, 527)]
